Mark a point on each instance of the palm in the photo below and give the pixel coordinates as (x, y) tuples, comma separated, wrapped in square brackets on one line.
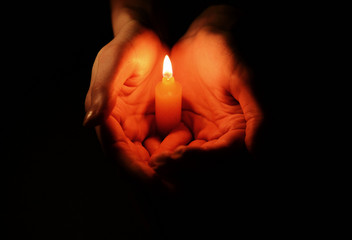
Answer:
[(131, 118), (218, 108), (204, 66), (134, 111)]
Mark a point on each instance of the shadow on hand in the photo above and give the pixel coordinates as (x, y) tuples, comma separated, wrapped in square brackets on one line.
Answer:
[(196, 169)]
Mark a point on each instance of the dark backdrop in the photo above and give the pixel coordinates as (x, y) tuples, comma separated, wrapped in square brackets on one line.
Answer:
[(58, 182)]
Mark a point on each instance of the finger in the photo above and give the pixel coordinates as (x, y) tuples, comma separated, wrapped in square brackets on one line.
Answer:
[(189, 159), (111, 132), (200, 157), (87, 100), (241, 90), (152, 144), (160, 160), (179, 136), (200, 150), (202, 128), (129, 155), (196, 143), (232, 139), (253, 116), (183, 163), (142, 152)]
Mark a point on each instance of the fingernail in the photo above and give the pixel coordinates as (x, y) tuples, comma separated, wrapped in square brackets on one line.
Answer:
[(180, 149), (87, 121)]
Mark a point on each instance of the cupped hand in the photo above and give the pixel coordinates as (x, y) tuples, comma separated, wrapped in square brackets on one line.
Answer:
[(219, 114), (219, 106), (120, 100), (120, 70)]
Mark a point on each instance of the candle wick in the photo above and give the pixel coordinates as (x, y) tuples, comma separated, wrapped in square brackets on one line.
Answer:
[(167, 75)]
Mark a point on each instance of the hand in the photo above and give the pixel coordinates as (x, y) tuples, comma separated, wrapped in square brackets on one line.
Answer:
[(121, 95), (219, 106), (120, 100), (219, 109)]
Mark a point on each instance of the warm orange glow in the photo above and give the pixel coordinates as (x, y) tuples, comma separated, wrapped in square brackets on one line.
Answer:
[(168, 100), (167, 67)]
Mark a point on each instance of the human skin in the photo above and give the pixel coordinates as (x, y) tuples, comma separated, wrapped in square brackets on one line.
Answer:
[(219, 112), (219, 107)]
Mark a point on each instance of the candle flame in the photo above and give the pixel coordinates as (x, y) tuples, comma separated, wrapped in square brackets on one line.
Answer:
[(167, 68)]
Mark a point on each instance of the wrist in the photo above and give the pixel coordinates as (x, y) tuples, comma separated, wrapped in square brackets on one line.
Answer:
[(219, 17), (127, 17), (127, 27)]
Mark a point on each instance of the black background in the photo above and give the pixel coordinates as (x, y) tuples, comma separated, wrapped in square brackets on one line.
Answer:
[(58, 182)]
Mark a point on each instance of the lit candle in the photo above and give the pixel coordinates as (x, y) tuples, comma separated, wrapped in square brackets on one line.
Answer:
[(168, 100)]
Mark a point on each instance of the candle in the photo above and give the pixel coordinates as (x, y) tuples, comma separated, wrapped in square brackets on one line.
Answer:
[(168, 100)]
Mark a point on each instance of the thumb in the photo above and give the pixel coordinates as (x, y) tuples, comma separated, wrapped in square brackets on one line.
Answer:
[(253, 115), (108, 75), (241, 90)]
